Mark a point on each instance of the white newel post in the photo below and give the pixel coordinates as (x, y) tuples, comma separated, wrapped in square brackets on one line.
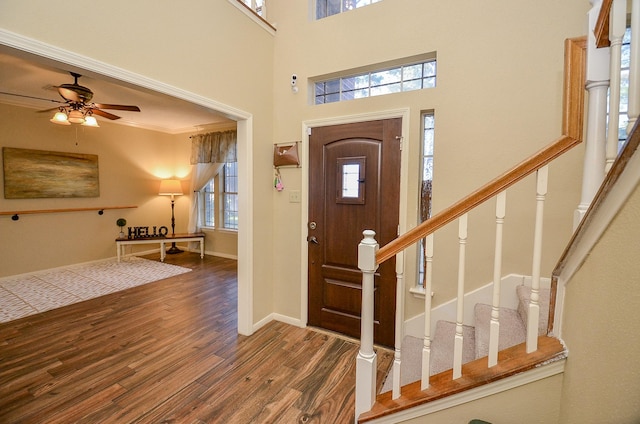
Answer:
[(366, 360), (617, 25), (595, 139)]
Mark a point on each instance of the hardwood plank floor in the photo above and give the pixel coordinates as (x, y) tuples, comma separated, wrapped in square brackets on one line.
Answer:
[(169, 352)]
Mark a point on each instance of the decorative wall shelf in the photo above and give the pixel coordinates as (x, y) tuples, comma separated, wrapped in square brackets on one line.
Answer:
[(16, 214)]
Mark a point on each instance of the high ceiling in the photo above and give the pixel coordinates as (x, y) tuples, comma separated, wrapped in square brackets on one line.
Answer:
[(37, 77)]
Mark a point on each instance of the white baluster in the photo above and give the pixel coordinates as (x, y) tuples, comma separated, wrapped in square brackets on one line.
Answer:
[(634, 66), (366, 360), (534, 307), (494, 327), (458, 343), (428, 283), (617, 25), (397, 361)]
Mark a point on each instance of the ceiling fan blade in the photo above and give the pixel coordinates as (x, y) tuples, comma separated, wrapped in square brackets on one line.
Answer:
[(48, 110), (117, 107), (69, 95), (31, 97), (104, 114)]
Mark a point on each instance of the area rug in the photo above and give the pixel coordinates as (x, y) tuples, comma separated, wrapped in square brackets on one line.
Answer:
[(28, 294)]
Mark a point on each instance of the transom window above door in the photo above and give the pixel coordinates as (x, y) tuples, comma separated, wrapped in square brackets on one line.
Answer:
[(325, 8), (417, 73)]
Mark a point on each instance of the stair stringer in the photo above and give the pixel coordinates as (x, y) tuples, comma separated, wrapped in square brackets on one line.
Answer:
[(554, 367), (414, 326)]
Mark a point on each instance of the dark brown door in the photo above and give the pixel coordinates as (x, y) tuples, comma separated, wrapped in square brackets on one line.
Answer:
[(354, 183)]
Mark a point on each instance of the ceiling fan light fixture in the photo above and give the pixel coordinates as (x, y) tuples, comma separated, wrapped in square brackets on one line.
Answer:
[(90, 121), (60, 118), (76, 117)]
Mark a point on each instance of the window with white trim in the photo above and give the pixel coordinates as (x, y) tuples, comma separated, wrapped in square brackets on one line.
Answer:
[(325, 8), (257, 6), (624, 88), (230, 196), (426, 184), (400, 78), (209, 202), (220, 199)]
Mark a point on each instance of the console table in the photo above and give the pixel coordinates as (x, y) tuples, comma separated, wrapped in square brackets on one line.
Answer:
[(122, 242)]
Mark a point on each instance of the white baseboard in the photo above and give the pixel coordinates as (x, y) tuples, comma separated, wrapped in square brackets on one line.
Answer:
[(447, 311), (278, 317), (218, 254)]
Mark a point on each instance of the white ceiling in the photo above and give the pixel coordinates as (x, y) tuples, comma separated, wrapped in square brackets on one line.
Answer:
[(37, 77)]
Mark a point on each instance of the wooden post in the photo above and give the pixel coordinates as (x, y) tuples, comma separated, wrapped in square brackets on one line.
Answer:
[(494, 328), (366, 359)]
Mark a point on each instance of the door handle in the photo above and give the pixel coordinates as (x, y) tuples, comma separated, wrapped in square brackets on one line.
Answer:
[(313, 239)]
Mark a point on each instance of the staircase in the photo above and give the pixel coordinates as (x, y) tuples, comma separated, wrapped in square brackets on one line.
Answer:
[(460, 362), (476, 337)]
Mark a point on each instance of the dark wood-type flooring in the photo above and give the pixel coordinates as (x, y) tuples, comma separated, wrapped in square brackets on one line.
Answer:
[(169, 352)]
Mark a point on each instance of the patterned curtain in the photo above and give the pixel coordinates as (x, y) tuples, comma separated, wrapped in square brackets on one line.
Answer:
[(214, 147)]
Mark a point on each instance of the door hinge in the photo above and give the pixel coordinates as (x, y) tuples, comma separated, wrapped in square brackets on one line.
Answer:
[(401, 140), (398, 232), (309, 131)]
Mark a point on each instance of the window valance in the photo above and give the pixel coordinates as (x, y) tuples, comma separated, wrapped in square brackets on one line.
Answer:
[(214, 147)]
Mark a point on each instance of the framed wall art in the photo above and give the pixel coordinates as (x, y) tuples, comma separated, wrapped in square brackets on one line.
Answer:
[(33, 174)]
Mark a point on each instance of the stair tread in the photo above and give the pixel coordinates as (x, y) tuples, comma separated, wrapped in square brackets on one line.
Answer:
[(443, 343), (512, 329)]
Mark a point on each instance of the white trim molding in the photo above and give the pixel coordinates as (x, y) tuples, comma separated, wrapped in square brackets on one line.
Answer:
[(245, 148)]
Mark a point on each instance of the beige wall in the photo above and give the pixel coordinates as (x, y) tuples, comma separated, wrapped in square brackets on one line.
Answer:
[(131, 163), (602, 330), (498, 100), (528, 404)]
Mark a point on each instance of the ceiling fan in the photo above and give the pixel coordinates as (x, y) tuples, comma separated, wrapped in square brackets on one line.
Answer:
[(77, 107)]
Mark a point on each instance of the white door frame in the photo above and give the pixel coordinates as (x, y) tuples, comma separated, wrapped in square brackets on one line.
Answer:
[(245, 149), (307, 126)]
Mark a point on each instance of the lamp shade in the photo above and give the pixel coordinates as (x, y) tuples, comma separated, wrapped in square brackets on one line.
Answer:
[(76, 117), (170, 188), (90, 121), (60, 118)]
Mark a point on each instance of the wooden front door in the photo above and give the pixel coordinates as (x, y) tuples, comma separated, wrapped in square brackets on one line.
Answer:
[(354, 184)]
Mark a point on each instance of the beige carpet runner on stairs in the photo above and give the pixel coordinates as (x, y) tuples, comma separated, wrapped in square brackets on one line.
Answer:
[(475, 338)]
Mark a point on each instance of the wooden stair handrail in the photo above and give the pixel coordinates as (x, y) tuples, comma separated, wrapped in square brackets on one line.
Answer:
[(572, 119), (506, 180), (601, 30)]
